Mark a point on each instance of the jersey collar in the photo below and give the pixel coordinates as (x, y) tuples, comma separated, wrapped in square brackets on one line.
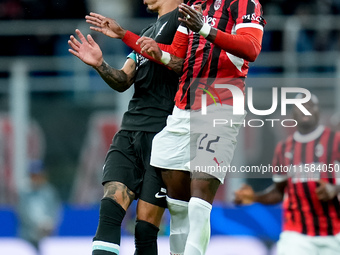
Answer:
[(301, 138)]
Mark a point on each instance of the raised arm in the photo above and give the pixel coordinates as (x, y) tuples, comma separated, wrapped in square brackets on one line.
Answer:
[(246, 43), (151, 50), (119, 80), (88, 51)]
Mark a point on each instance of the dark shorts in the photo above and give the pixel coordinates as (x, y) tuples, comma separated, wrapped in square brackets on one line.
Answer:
[(128, 162)]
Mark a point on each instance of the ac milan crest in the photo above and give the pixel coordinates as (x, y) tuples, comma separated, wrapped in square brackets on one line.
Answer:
[(217, 4), (319, 150)]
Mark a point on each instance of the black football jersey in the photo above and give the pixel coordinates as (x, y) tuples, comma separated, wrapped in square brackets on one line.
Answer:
[(155, 85)]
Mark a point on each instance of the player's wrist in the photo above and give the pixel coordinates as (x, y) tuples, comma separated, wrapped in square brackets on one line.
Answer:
[(205, 30), (122, 33), (126, 35), (166, 57), (99, 64)]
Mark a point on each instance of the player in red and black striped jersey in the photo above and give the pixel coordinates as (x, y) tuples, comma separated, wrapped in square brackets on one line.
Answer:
[(234, 40), (308, 183), (217, 39)]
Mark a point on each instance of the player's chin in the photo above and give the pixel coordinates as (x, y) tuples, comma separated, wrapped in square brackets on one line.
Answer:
[(306, 122), (150, 10)]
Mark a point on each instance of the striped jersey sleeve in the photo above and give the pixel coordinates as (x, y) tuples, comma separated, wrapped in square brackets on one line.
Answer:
[(247, 13)]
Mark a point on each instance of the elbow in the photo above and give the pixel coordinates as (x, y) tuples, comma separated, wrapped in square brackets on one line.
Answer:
[(252, 55), (123, 87), (252, 58), (121, 90)]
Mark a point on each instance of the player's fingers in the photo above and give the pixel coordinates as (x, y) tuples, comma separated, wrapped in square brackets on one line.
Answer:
[(144, 49), (75, 41), (147, 42), (151, 50), (146, 45), (96, 15), (91, 40), (97, 24), (141, 40), (185, 21), (187, 9), (198, 7), (81, 36), (186, 14), (74, 53), (72, 45), (93, 19), (97, 29)]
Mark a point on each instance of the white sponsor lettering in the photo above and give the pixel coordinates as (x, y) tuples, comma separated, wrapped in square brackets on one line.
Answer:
[(210, 20), (252, 17)]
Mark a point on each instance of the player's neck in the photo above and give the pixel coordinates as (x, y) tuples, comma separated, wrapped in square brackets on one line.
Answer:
[(307, 130), (168, 6)]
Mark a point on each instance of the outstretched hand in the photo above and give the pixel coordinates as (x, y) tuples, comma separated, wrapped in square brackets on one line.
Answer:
[(105, 25), (244, 195), (87, 50)]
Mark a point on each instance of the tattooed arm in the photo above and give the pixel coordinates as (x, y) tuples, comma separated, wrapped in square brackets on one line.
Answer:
[(88, 51), (119, 80)]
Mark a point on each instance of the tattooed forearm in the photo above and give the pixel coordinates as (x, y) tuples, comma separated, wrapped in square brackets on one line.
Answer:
[(176, 64), (116, 79)]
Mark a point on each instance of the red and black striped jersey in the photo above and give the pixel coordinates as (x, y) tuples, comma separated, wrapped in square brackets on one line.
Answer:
[(205, 61), (308, 159)]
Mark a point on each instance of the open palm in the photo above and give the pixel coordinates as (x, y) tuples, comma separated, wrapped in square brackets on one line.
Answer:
[(86, 50)]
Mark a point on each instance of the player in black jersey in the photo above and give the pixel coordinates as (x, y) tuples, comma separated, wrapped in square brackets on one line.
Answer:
[(127, 174)]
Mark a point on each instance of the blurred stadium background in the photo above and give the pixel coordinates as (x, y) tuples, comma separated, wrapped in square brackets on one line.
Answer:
[(55, 108)]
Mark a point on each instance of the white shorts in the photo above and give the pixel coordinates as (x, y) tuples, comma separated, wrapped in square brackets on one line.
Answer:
[(294, 243), (193, 142)]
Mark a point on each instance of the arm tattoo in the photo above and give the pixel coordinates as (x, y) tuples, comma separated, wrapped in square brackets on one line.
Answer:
[(176, 64), (116, 79)]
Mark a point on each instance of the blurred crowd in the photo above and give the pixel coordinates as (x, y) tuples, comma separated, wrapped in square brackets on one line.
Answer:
[(63, 9), (77, 9), (291, 7)]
